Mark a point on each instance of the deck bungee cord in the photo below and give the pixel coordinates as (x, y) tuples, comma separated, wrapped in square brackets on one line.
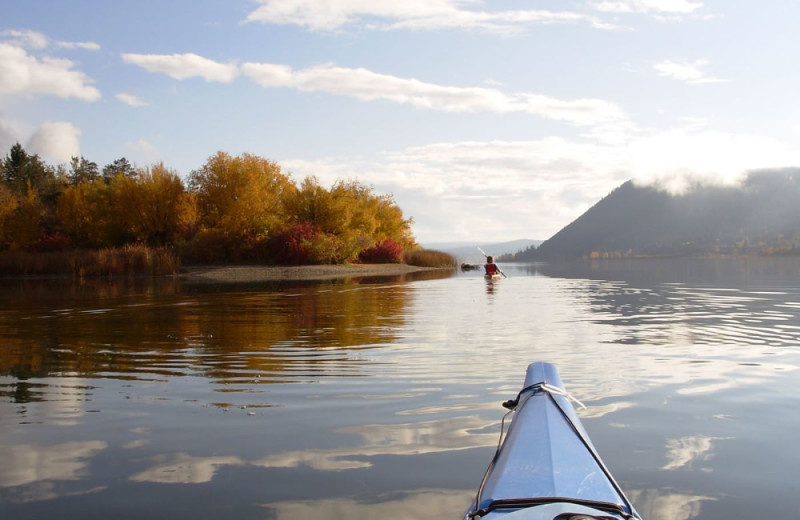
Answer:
[(550, 389)]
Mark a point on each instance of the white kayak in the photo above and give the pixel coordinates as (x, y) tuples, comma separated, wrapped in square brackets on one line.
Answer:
[(546, 467)]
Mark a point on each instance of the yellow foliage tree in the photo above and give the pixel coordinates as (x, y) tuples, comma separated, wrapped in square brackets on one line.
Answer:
[(20, 218), (354, 203), (241, 195), (84, 212), (350, 217), (392, 224), (153, 206), (309, 203), (8, 207)]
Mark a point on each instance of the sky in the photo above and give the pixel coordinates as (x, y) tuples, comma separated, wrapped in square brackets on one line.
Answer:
[(487, 120)]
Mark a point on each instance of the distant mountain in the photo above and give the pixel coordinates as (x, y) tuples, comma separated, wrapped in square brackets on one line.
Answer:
[(468, 251), (762, 215)]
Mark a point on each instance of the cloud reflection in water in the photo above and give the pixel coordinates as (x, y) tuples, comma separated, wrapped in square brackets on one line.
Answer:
[(657, 505), (26, 463), (408, 506), (457, 433), (685, 451), (182, 468)]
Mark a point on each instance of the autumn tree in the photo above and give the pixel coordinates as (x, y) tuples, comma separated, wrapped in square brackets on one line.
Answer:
[(152, 205), (240, 200), (8, 207), (350, 219), (353, 204), (20, 219), (83, 210), (391, 224), (318, 206)]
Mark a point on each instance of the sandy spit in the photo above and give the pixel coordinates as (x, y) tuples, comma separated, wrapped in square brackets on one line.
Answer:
[(255, 273)]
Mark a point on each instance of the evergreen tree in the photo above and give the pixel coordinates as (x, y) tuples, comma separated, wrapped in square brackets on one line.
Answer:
[(82, 170), (22, 171), (120, 166), (14, 165)]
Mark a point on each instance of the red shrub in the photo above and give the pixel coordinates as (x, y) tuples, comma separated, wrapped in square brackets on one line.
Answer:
[(386, 252), (52, 242), (294, 246), (215, 246)]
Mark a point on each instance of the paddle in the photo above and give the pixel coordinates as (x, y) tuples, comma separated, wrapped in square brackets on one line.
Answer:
[(498, 267)]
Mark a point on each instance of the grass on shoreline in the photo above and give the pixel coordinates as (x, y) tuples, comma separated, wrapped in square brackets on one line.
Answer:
[(130, 260), (138, 260), (430, 258)]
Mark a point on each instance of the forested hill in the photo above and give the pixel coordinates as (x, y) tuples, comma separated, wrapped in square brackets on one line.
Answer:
[(762, 215)]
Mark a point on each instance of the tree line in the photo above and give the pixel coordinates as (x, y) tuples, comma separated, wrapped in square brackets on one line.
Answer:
[(231, 209)]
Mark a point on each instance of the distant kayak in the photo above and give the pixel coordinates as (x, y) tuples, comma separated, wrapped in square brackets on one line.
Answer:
[(492, 277), (546, 467)]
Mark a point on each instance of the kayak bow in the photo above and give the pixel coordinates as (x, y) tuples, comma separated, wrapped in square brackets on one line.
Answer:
[(546, 467)]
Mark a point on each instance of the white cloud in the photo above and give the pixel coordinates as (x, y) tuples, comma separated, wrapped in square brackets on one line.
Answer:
[(331, 15), (370, 86), (87, 46), (648, 6), (130, 99), (25, 38), (184, 66), (143, 152), (511, 189), (8, 135), (492, 189), (690, 72), (36, 40), (677, 157), (56, 141), (24, 74)]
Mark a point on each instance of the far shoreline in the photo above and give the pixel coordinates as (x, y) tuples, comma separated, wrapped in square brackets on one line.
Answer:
[(261, 273)]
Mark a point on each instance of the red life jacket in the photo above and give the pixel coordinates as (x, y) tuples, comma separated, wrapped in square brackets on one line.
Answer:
[(491, 269)]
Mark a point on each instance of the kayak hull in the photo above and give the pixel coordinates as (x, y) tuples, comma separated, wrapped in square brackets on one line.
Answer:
[(547, 464), (492, 277)]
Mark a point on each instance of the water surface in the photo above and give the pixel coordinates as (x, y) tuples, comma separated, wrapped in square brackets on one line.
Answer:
[(381, 398)]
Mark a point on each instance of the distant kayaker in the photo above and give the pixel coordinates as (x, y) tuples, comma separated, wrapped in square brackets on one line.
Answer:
[(490, 267)]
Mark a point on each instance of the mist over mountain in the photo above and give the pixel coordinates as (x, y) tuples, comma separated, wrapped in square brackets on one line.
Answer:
[(760, 215)]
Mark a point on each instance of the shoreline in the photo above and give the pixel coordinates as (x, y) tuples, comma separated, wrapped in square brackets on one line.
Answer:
[(258, 273)]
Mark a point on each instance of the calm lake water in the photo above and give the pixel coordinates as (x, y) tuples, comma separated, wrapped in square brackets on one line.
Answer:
[(380, 398)]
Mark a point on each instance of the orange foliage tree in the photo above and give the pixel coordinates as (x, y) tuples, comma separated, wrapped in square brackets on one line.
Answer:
[(153, 206), (350, 219), (20, 219), (84, 211), (8, 205), (240, 201)]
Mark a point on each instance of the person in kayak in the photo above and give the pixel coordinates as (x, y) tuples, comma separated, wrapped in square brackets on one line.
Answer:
[(490, 267)]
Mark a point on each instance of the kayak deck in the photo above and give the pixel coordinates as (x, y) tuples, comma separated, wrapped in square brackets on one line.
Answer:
[(547, 466)]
